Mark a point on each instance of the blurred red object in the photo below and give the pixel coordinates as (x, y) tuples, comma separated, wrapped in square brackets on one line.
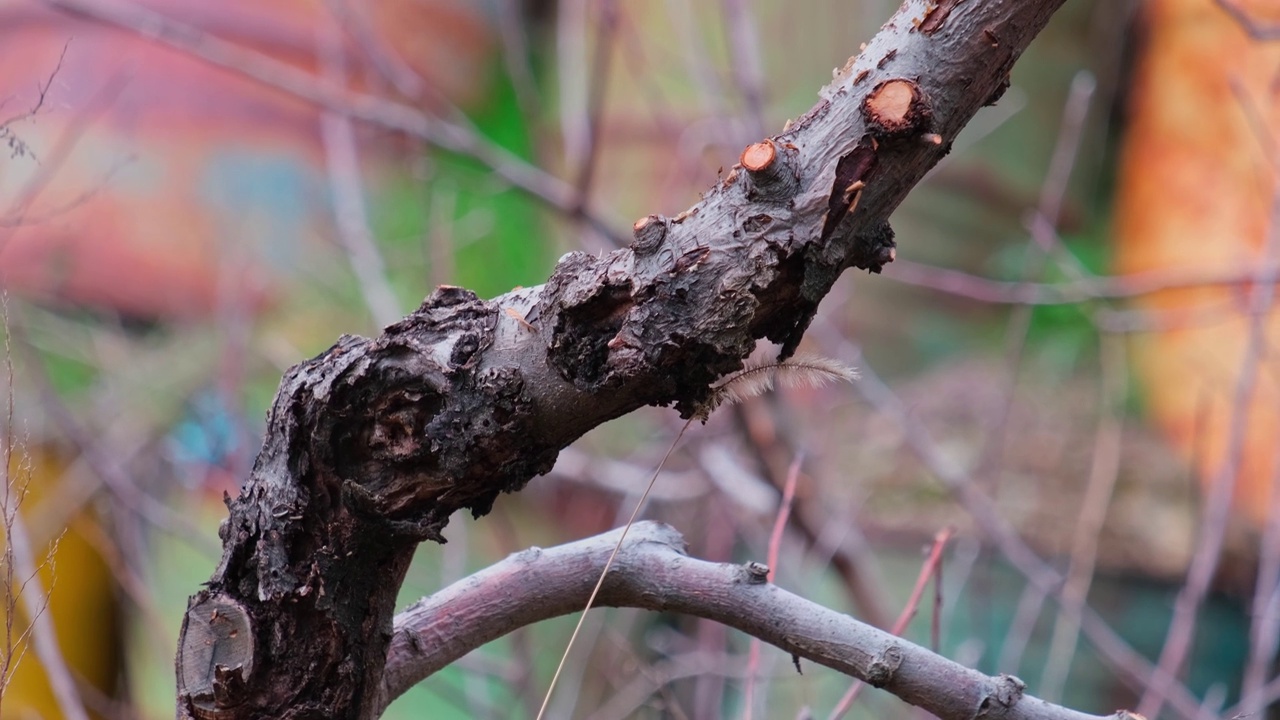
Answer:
[(153, 184)]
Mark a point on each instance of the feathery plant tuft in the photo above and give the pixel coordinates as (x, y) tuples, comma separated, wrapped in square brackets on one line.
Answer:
[(801, 371)]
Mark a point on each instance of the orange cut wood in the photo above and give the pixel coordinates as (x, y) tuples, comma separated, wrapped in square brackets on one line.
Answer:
[(1196, 195)]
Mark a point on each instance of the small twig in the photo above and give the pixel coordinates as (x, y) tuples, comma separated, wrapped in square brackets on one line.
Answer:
[(1052, 198), (1093, 513), (601, 65), (1255, 29), (931, 569), (744, 44), (935, 620), (1116, 287), (1135, 669), (349, 210), (9, 501), (17, 146), (1041, 248), (18, 212), (775, 548), (1264, 631)]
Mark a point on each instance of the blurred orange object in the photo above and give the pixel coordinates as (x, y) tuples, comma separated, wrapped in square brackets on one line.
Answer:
[(156, 185), (1198, 194)]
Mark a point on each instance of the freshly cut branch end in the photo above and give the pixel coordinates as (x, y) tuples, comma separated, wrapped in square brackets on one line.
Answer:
[(758, 156), (772, 169), (897, 108)]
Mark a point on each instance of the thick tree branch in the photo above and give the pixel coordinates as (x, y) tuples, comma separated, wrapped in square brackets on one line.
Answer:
[(374, 444), (652, 572)]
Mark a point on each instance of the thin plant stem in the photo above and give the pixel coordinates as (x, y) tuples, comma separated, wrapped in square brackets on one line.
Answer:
[(546, 700)]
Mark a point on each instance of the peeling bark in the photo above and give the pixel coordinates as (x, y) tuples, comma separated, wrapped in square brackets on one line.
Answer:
[(375, 443)]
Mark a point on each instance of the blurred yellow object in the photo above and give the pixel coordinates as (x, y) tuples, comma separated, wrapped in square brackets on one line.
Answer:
[(78, 583), (1197, 194)]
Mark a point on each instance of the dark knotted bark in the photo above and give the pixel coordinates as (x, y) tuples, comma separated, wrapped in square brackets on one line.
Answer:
[(373, 445)]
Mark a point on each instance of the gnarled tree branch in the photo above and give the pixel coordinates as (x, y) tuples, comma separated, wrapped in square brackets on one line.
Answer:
[(374, 444)]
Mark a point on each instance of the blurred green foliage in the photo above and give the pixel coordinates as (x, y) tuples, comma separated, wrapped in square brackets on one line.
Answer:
[(495, 234)]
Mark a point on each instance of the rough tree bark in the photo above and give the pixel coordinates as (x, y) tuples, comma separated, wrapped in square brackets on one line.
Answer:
[(374, 444)]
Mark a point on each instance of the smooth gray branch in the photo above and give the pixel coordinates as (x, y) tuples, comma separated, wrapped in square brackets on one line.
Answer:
[(653, 572)]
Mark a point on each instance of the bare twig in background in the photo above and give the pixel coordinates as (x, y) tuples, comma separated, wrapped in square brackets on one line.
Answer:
[(1256, 30), (17, 146), (738, 386), (931, 569), (626, 700), (354, 19), (1263, 697), (515, 55), (43, 635), (771, 438), (1072, 292), (1093, 512), (386, 113), (574, 85), (11, 494), (1052, 197), (1040, 249), (19, 213), (596, 91), (711, 638), (1132, 667), (107, 463), (775, 548), (1264, 631), (744, 46), (347, 192)]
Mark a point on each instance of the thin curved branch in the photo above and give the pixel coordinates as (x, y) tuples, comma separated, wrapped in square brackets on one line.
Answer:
[(653, 572)]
